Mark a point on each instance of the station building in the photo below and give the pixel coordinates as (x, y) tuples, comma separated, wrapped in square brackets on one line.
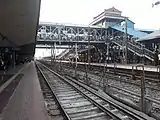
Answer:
[(119, 25)]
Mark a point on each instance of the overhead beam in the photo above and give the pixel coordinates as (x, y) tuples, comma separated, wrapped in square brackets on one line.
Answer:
[(48, 47), (58, 42)]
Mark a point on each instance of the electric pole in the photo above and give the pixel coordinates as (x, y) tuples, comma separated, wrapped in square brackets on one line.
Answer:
[(76, 60), (126, 41)]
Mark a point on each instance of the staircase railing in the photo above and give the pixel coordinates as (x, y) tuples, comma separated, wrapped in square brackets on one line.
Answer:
[(63, 53), (135, 47), (149, 53)]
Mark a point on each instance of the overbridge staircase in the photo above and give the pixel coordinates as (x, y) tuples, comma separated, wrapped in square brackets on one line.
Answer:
[(63, 54), (132, 46), (136, 48)]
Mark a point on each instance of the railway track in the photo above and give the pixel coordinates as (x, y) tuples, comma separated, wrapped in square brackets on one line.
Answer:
[(149, 76), (79, 103), (123, 92), (54, 109), (123, 77)]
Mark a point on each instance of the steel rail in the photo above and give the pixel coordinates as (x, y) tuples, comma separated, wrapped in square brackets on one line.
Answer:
[(55, 96), (101, 107), (136, 116), (130, 92)]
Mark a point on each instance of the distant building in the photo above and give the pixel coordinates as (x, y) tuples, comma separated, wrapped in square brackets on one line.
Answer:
[(112, 18)]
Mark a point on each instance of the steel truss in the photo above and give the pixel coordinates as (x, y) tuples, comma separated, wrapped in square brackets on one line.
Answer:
[(49, 33), (63, 32)]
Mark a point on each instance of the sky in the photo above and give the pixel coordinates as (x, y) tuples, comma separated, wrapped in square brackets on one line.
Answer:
[(46, 52), (83, 11)]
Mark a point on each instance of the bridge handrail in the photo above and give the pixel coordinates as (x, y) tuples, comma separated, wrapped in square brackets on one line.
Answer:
[(63, 53), (136, 47), (149, 52)]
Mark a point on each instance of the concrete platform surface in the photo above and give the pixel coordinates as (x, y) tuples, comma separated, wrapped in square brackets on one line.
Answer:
[(122, 66), (27, 102)]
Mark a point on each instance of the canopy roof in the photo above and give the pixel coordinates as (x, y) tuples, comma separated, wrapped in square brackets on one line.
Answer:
[(18, 22), (154, 35)]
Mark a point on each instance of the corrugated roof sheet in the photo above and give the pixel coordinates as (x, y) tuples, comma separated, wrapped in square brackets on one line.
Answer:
[(144, 29), (154, 35), (130, 31)]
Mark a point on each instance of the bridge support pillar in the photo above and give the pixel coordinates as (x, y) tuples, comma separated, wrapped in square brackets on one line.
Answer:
[(142, 87), (108, 89), (76, 60), (55, 51), (107, 59), (148, 103), (51, 55), (133, 73)]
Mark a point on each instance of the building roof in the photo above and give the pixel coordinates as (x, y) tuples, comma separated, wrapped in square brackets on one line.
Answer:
[(113, 9), (111, 13), (130, 31), (154, 35), (149, 30), (131, 21), (103, 17)]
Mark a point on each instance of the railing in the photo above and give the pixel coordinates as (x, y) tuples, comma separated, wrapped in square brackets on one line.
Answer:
[(135, 47), (149, 53), (63, 53)]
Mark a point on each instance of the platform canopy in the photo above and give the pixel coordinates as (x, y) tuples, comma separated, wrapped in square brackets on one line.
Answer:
[(152, 36), (18, 22)]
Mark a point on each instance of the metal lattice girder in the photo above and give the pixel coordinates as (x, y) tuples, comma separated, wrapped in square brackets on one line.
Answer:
[(67, 34), (70, 32)]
